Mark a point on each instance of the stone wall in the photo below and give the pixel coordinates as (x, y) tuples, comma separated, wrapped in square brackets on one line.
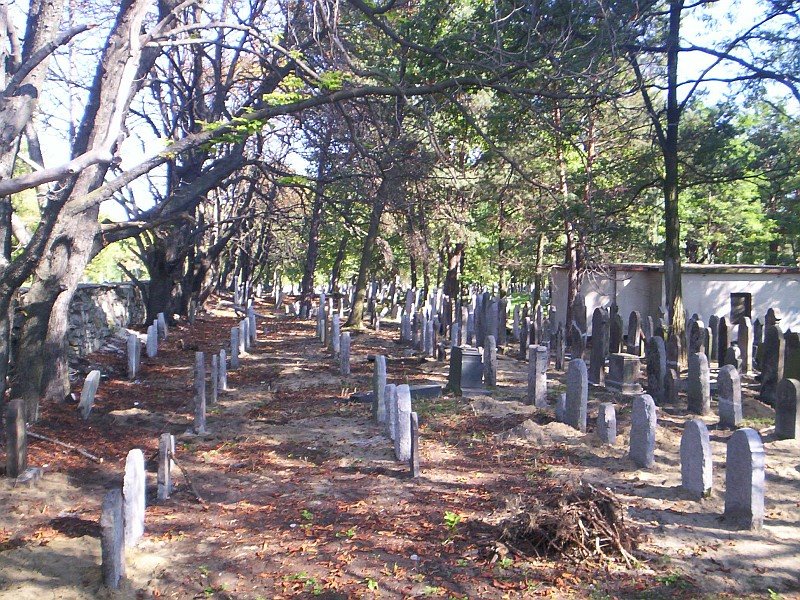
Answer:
[(99, 310)]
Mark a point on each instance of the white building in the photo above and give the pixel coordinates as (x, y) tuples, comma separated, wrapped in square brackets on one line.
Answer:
[(707, 290)]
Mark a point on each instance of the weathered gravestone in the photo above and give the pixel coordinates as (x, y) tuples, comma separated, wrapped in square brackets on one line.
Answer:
[(166, 451), (744, 480), (656, 369), (414, 459), (607, 423), (558, 348), (623, 373), (713, 325), (88, 392), (696, 463), (524, 337), (538, 358), (671, 387), (214, 378), (597, 357), (502, 322), (379, 389), (234, 347), (161, 326), (402, 434), (199, 393), (134, 355), (579, 315), (223, 371), (643, 431), (152, 342), (344, 353), (733, 357), (698, 384), (615, 331), (336, 334), (697, 337), (133, 489), (729, 396), (244, 336), (787, 417), (390, 400), (746, 344), (674, 349), (577, 394), (723, 340), (16, 439), (635, 333), (561, 407), (112, 539), (577, 341), (490, 362), (772, 359)]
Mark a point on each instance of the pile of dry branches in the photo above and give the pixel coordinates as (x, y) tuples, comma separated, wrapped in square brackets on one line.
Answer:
[(573, 520)]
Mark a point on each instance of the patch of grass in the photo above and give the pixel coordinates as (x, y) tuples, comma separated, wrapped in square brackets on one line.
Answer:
[(758, 422)]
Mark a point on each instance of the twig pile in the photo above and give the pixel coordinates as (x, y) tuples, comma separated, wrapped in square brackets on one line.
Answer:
[(578, 521)]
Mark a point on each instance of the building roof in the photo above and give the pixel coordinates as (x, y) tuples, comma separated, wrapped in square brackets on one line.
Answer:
[(704, 269)]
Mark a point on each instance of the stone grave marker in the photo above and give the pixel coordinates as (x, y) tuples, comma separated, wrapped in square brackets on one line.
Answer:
[(615, 331), (746, 344), (723, 340), (112, 539), (698, 384), (697, 337), (577, 341), (772, 367), (414, 460), (635, 333), (161, 326), (696, 463), (674, 348), (490, 362), (523, 337), (166, 450), (16, 439), (558, 348), (223, 371), (607, 423), (656, 368), (577, 394), (379, 389), (623, 373), (787, 417), (88, 392), (597, 356), (244, 336), (344, 354), (390, 400), (402, 434), (733, 357), (134, 355), (152, 342), (538, 359), (199, 393), (729, 396), (214, 378), (133, 489), (671, 387), (744, 480), (561, 407), (643, 431), (502, 322), (234, 347), (336, 332)]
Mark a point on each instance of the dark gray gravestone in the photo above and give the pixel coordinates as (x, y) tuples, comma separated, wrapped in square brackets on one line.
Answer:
[(133, 489), (723, 340), (674, 349), (729, 396), (523, 338), (698, 384), (787, 417), (577, 341), (88, 392), (502, 323), (379, 389), (607, 423), (490, 362), (615, 331), (112, 539), (234, 347), (635, 333), (16, 439), (538, 359), (697, 337), (558, 347), (577, 394), (414, 461), (671, 387), (600, 334), (623, 373), (772, 367), (561, 407), (579, 315), (713, 325), (696, 463), (656, 368), (733, 357), (214, 378), (744, 480), (643, 431), (746, 344)]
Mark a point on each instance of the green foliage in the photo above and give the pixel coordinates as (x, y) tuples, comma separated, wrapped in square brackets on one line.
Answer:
[(105, 266)]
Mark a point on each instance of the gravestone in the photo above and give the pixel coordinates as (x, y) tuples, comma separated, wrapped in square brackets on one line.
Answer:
[(787, 417), (16, 439), (223, 371), (133, 489), (597, 357), (492, 318), (336, 333), (199, 393), (607, 423), (161, 326), (772, 317), (480, 319), (490, 362), (502, 322), (379, 389), (390, 401), (713, 324), (758, 332), (723, 340), (515, 324), (166, 450), (558, 348), (414, 459), (656, 369), (671, 387), (402, 435), (244, 336), (696, 463), (697, 337), (729, 396), (524, 334), (344, 353), (112, 539), (577, 341), (698, 384), (88, 393), (561, 407), (252, 327), (623, 373), (746, 344), (134, 354), (466, 370), (577, 394), (674, 349), (772, 367), (579, 315), (615, 331), (643, 431), (152, 342), (470, 335), (733, 357), (635, 333), (234, 347), (214, 378), (744, 480), (538, 358)]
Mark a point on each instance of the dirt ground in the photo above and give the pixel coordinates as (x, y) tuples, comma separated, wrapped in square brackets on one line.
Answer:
[(300, 495)]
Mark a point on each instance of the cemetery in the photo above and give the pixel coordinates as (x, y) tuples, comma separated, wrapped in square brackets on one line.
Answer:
[(311, 465)]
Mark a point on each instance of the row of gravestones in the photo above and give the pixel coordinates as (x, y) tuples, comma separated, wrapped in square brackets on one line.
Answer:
[(391, 406)]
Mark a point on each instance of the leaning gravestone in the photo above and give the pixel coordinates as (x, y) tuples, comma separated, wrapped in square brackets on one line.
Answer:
[(133, 489), (696, 463), (402, 434), (577, 394), (597, 356), (490, 362), (787, 417), (344, 354), (744, 480), (643, 432), (772, 363), (379, 389), (414, 460), (538, 357), (607, 423), (88, 393), (16, 439), (112, 539), (729, 394), (698, 384), (656, 368)]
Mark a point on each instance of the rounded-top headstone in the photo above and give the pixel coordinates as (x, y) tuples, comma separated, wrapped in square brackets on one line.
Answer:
[(133, 489), (744, 479), (696, 463), (729, 392), (787, 417), (643, 431)]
